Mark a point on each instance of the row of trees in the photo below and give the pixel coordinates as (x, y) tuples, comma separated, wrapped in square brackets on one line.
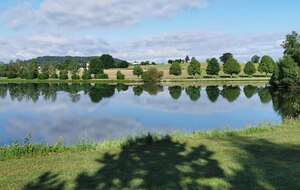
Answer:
[(230, 66)]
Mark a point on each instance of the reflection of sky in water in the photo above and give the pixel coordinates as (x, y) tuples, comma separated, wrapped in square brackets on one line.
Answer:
[(125, 114)]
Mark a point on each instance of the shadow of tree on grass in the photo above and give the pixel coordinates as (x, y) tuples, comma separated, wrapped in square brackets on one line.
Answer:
[(162, 165), (47, 181)]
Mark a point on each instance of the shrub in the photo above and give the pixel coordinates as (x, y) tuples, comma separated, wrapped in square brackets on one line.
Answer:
[(101, 76), (175, 69), (120, 76), (75, 77), (249, 69), (63, 75), (137, 70), (54, 76), (86, 75), (152, 75), (43, 76), (11, 75)]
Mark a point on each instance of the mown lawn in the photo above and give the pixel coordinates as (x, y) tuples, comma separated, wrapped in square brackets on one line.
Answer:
[(253, 159)]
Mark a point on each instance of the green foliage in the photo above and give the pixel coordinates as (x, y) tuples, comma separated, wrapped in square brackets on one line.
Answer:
[(193, 92), (120, 76), (122, 64), (122, 87), (249, 69), (194, 67), (101, 76), (86, 75), (175, 92), (249, 91), (96, 65), (137, 70), (231, 66), (152, 75), (225, 57), (108, 61), (175, 69), (266, 65), (213, 67), (255, 59), (287, 73), (75, 77), (213, 93), (3, 70), (63, 75), (54, 76), (137, 90), (264, 95), (43, 76), (231, 93), (291, 46)]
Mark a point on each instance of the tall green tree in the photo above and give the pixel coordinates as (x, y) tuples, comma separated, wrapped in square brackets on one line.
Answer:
[(175, 69), (194, 67), (291, 46), (108, 61), (255, 59), (96, 65), (266, 65), (249, 68), (213, 67), (137, 70), (231, 67), (225, 57)]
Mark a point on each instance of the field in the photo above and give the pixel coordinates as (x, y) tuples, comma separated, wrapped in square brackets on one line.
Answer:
[(267, 157), (165, 68)]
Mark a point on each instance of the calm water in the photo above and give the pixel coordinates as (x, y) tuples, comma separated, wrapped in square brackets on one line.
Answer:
[(99, 112)]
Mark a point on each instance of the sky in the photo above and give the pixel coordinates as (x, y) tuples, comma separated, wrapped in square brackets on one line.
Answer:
[(137, 30)]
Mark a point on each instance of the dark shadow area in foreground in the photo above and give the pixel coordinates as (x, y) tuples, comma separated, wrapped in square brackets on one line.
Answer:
[(165, 164)]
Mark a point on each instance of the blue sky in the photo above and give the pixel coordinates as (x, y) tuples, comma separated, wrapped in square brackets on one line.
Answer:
[(142, 30)]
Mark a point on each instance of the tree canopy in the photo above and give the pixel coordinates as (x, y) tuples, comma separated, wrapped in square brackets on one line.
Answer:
[(225, 57), (194, 67), (213, 67), (231, 66), (249, 68), (175, 69), (266, 65), (96, 65)]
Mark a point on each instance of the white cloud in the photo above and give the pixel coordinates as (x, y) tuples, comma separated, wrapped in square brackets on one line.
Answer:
[(93, 13)]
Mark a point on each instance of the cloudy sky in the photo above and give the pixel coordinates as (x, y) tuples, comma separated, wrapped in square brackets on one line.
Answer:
[(145, 29)]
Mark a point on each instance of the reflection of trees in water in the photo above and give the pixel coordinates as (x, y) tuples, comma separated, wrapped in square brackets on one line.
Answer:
[(250, 90), (137, 90), (152, 89), (286, 103), (121, 87), (100, 91), (193, 92), (213, 93), (175, 92), (265, 94), (231, 93), (3, 90)]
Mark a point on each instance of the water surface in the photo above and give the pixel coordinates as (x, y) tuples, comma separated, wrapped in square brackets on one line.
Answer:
[(98, 112)]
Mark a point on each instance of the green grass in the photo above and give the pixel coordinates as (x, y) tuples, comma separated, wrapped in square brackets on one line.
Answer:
[(266, 157)]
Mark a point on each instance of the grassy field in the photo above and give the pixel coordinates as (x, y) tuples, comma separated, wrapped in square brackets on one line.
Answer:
[(267, 157), (165, 68)]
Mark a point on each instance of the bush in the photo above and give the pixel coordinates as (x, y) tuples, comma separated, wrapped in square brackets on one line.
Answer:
[(54, 76), (75, 77), (175, 69), (86, 75), (120, 76), (137, 70), (11, 75), (43, 76), (152, 75), (101, 76)]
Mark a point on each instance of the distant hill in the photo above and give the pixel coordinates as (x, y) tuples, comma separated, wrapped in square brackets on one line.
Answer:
[(60, 59)]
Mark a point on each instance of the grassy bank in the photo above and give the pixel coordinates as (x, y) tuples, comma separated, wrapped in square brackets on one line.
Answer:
[(267, 157)]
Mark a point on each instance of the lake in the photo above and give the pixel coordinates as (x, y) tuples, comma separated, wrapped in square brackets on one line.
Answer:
[(97, 112)]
